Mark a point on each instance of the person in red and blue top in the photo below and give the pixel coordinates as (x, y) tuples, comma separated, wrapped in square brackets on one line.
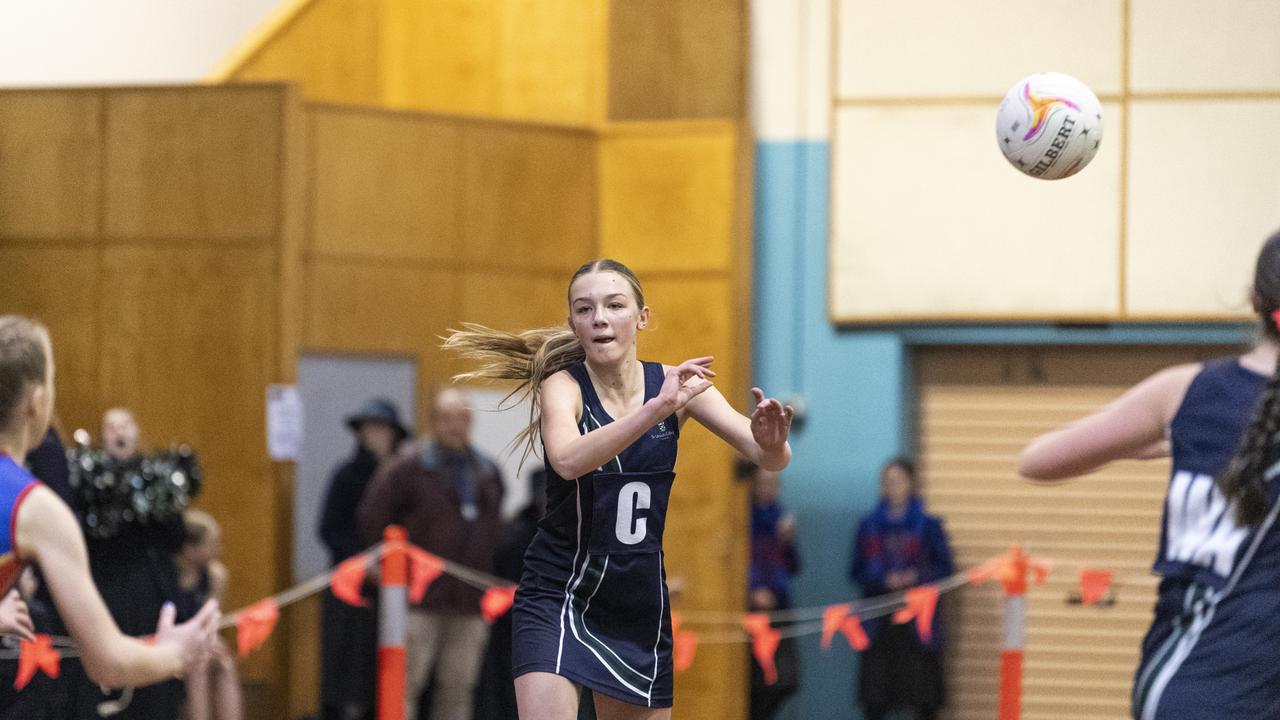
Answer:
[(37, 528), (593, 609), (1213, 648), (900, 546)]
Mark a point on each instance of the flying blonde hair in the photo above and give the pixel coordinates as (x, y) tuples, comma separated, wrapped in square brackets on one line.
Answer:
[(528, 356)]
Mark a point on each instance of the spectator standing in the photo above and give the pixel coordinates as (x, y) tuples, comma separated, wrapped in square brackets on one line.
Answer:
[(448, 496), (349, 643), (900, 546)]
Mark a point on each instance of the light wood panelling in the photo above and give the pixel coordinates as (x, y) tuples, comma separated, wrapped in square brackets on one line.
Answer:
[(676, 59), (58, 287), (193, 163), (978, 408), (377, 307), (965, 234), (385, 185), (1192, 246), (923, 48), (49, 164), (515, 299), (188, 343), (528, 197), (328, 47), (667, 195), (1235, 46), (705, 537), (508, 58)]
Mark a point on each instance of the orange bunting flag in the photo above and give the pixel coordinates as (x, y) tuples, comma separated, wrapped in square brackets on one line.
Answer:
[(1040, 569), (33, 656), (254, 625), (832, 621), (764, 644), (424, 568), (921, 603), (347, 580), (852, 629), (685, 645), (1093, 585), (496, 602)]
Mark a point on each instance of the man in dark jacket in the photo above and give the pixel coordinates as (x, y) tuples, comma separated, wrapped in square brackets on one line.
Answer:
[(350, 640), (448, 496)]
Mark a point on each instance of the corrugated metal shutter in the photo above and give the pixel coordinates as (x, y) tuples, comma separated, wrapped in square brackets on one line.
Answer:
[(977, 409)]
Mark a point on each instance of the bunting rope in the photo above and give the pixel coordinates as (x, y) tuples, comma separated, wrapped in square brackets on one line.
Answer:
[(255, 622)]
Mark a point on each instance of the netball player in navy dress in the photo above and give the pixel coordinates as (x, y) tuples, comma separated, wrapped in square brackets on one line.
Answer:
[(1213, 650), (592, 607)]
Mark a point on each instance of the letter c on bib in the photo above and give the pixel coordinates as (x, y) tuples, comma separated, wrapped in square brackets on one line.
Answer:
[(633, 496)]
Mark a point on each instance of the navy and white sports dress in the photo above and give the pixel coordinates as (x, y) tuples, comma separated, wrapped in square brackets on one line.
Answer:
[(592, 605), (1213, 650)]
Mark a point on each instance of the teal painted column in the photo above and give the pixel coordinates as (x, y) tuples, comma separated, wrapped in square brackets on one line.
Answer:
[(852, 385)]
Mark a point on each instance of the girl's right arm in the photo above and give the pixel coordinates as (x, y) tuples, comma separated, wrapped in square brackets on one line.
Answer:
[(573, 454), (1130, 427)]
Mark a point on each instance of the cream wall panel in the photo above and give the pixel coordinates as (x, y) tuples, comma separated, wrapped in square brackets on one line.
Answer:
[(1236, 45), (790, 86), (385, 184), (50, 164), (1204, 193), (974, 47), (929, 221)]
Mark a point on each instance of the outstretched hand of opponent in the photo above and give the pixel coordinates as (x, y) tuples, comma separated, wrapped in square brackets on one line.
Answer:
[(194, 638), (770, 421), (14, 617), (686, 381)]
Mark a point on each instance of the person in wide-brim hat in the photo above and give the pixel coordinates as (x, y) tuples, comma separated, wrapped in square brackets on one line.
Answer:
[(378, 410), (349, 641)]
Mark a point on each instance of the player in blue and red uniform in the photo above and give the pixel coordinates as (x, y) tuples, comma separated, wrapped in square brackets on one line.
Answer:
[(1213, 650), (37, 527), (592, 609)]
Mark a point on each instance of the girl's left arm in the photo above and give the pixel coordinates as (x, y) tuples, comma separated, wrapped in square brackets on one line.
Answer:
[(762, 438)]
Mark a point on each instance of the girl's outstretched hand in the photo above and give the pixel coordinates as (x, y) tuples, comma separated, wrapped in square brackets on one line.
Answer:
[(770, 421), (686, 381)]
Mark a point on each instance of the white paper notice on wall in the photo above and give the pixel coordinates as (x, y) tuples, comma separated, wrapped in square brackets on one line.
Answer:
[(284, 422)]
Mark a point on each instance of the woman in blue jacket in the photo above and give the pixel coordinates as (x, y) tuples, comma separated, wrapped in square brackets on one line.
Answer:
[(899, 546)]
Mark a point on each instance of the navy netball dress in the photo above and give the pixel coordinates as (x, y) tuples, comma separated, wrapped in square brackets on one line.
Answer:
[(592, 605), (1213, 650)]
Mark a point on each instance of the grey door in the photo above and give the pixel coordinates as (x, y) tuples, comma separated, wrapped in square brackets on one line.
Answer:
[(332, 387)]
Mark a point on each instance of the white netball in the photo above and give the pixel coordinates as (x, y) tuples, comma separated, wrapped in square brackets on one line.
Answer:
[(1049, 125)]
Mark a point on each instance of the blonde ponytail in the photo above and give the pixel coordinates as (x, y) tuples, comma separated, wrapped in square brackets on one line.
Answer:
[(528, 357)]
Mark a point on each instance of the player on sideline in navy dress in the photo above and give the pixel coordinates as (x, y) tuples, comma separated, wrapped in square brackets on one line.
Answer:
[(37, 527), (592, 607), (1213, 649)]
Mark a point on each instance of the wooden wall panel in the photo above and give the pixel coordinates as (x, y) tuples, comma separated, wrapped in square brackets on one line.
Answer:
[(328, 47), (666, 195), (515, 299), (193, 163), (672, 59), (706, 537), (188, 342), (506, 58), (528, 197), (49, 164), (384, 184), (377, 307), (58, 287)]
